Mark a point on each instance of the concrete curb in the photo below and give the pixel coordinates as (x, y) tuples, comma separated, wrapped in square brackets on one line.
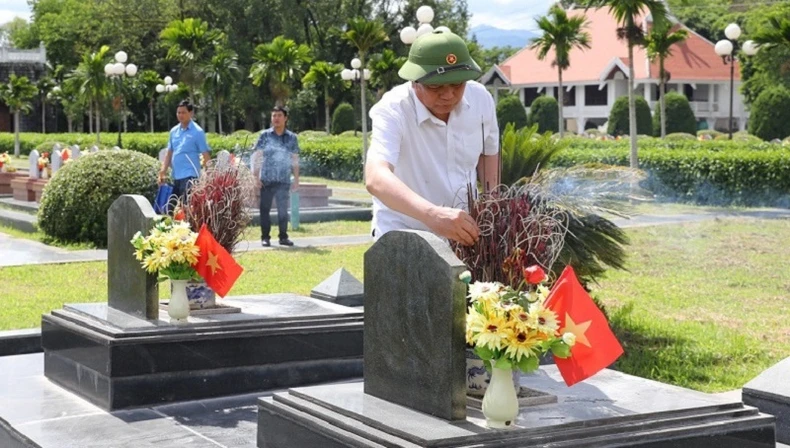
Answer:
[(20, 342), (23, 222)]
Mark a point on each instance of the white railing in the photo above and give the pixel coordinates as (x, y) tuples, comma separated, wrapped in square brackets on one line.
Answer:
[(8, 54)]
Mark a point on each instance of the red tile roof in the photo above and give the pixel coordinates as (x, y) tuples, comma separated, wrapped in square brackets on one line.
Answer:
[(692, 60)]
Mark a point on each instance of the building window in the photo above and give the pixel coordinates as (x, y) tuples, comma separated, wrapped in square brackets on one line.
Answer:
[(569, 97), (595, 97), (530, 94)]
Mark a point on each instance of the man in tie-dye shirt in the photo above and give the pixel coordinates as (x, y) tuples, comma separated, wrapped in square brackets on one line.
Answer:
[(280, 159)]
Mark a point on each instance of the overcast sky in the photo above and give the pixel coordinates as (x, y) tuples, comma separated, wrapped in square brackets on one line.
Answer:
[(505, 14)]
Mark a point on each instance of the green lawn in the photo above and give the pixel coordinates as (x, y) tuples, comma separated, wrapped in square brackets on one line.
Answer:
[(703, 305)]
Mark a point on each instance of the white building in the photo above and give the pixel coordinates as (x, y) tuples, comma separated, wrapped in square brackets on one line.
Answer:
[(599, 75)]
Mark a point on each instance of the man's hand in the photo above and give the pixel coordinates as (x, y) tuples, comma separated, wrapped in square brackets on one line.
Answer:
[(454, 224), (162, 176), (295, 184)]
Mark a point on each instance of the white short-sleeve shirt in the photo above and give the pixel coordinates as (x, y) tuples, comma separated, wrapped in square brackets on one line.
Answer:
[(436, 160)]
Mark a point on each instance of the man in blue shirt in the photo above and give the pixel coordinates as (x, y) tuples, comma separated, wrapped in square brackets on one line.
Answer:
[(187, 143), (280, 159)]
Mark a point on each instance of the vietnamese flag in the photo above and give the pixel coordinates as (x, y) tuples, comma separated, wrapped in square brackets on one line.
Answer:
[(596, 346), (215, 264)]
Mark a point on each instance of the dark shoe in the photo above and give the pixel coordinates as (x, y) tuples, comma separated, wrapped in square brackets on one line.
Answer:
[(286, 242), (266, 242)]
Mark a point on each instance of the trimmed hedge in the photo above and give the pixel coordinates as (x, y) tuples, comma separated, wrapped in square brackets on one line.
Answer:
[(618, 117), (712, 172), (680, 117), (770, 117), (343, 119), (545, 113), (510, 110)]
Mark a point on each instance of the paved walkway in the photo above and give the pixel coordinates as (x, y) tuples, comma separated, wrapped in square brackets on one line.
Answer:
[(18, 251)]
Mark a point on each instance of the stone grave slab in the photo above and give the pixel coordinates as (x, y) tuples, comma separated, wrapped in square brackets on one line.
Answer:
[(770, 393), (118, 360), (341, 288)]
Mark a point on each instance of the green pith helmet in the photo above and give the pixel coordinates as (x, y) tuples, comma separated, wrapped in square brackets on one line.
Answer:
[(439, 58)]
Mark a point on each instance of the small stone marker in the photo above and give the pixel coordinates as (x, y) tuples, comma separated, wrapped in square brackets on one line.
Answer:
[(75, 152), (33, 165), (130, 288), (223, 158), (94, 148), (415, 308), (116, 148), (57, 161), (341, 288)]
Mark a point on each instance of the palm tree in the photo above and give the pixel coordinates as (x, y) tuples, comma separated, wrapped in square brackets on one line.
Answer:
[(219, 74), (561, 34), (364, 35), (93, 83), (279, 61), (146, 82), (627, 12), (188, 42), (44, 85), (659, 44), (384, 68), (777, 32), (17, 95), (325, 76)]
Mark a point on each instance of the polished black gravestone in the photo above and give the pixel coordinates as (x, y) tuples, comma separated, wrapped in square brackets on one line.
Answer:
[(342, 288), (770, 393), (118, 361), (127, 354), (413, 394)]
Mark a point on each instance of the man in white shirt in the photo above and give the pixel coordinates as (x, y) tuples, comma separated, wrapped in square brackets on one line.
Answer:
[(432, 137)]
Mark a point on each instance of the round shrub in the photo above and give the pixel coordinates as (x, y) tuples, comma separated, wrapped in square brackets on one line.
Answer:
[(680, 117), (680, 136), (711, 132), (618, 118), (544, 112), (343, 119), (770, 116), (510, 110), (74, 203)]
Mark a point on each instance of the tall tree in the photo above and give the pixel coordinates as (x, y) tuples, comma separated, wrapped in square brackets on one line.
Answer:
[(44, 85), (18, 94), (364, 35), (220, 74), (326, 77), (280, 61), (189, 43), (659, 43), (93, 83), (384, 68), (775, 32), (627, 14), (561, 34)]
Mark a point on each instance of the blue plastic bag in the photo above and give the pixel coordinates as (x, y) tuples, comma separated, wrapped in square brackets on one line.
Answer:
[(162, 198)]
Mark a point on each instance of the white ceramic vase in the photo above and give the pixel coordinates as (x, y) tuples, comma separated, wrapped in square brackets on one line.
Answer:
[(500, 403), (178, 307)]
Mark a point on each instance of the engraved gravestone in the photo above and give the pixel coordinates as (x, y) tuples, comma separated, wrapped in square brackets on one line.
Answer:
[(223, 158), (32, 166), (75, 152), (57, 161), (130, 288), (415, 307)]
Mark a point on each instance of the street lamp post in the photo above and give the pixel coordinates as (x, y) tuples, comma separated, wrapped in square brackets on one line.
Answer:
[(168, 87), (117, 71), (355, 74), (726, 49)]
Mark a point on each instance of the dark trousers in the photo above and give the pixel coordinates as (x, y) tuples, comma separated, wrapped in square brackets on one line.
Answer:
[(181, 188), (279, 191)]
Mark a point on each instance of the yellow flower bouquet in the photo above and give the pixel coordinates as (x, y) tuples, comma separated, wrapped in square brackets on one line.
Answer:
[(511, 328), (5, 160), (169, 249)]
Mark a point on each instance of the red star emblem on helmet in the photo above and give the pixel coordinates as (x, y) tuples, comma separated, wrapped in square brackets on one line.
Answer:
[(452, 59)]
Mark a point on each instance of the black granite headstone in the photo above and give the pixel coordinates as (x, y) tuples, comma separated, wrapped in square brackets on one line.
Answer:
[(414, 324), (341, 288), (130, 288), (770, 393)]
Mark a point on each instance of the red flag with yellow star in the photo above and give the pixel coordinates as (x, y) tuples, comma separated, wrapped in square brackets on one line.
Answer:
[(215, 264), (596, 346)]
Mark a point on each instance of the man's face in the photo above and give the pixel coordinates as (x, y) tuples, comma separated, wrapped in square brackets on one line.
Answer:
[(440, 99), (183, 115), (278, 119)]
